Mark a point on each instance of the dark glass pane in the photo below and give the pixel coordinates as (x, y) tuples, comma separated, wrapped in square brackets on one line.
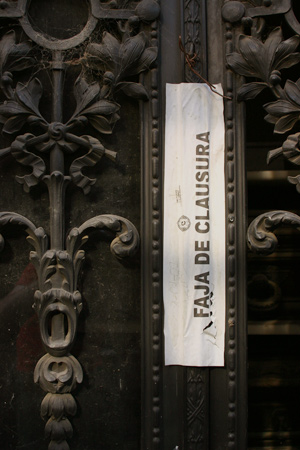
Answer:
[(58, 19)]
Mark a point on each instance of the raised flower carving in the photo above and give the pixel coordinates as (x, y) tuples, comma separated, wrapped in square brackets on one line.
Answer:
[(263, 60), (118, 60), (290, 149), (100, 113), (22, 106), (14, 57), (284, 113)]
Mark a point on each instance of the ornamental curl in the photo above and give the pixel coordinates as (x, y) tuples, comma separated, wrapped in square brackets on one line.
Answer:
[(260, 236)]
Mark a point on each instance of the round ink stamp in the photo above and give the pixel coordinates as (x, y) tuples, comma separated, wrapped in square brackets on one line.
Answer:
[(183, 223)]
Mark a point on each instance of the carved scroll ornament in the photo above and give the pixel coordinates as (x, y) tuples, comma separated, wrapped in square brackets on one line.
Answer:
[(262, 54), (42, 146)]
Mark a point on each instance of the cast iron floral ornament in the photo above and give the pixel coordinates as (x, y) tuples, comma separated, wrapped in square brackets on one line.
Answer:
[(263, 55), (42, 146), (120, 60), (264, 60)]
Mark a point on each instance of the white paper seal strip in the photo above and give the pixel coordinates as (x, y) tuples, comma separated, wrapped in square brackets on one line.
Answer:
[(194, 226)]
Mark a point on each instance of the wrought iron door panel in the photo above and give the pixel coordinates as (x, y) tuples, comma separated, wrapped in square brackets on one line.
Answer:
[(70, 89), (266, 55)]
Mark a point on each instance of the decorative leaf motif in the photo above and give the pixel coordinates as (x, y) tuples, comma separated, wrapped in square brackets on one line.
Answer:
[(6, 45), (18, 58), (123, 59), (39, 240), (92, 109), (285, 52), (58, 405), (284, 124), (251, 90), (130, 52), (293, 91), (15, 113), (65, 268), (288, 61), (30, 95), (14, 57), (104, 107), (134, 90), (58, 430), (101, 124), (281, 107), (296, 181), (284, 113), (263, 60), (290, 149), (45, 267), (146, 60), (18, 65), (14, 124), (11, 108), (85, 94), (104, 56), (75, 241), (238, 64)]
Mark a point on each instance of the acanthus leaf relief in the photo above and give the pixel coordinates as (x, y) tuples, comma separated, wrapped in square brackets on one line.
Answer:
[(264, 54), (44, 145)]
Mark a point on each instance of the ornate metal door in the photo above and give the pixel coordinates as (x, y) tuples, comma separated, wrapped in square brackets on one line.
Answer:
[(81, 173), (70, 72), (82, 114)]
